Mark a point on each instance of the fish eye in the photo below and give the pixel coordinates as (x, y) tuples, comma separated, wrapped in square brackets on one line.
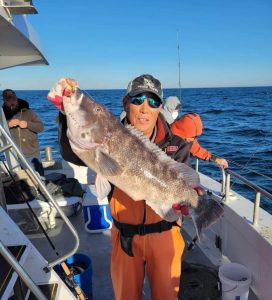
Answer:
[(97, 109)]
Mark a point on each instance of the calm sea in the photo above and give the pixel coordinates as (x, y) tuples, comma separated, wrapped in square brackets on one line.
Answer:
[(237, 126)]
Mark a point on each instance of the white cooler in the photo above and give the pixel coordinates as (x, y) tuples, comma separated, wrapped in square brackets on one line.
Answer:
[(96, 212)]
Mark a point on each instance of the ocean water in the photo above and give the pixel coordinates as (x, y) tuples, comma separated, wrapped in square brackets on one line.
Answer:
[(237, 126)]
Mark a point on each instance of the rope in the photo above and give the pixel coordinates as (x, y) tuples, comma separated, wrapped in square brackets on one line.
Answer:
[(244, 167), (250, 170)]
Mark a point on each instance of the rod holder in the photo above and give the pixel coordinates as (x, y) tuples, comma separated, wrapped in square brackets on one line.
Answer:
[(48, 154)]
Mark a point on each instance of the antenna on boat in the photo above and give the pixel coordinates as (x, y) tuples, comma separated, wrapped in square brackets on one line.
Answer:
[(179, 94)]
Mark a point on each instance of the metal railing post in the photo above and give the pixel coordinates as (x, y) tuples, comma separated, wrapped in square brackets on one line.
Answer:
[(196, 164), (223, 185), (256, 208), (48, 154), (227, 188)]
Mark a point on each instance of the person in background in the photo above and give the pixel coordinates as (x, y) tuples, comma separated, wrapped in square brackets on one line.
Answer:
[(24, 126), (171, 109), (189, 127), (141, 240)]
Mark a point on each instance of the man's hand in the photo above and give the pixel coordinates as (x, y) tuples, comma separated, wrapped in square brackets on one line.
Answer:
[(221, 162), (64, 87), (69, 86), (184, 209), (23, 124), (13, 123)]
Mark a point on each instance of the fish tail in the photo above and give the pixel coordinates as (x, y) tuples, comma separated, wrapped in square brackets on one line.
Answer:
[(208, 212)]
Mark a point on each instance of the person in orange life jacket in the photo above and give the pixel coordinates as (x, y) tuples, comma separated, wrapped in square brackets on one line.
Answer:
[(24, 126), (189, 127), (141, 239)]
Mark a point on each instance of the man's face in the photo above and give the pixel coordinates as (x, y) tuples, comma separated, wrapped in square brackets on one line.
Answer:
[(11, 101), (142, 116)]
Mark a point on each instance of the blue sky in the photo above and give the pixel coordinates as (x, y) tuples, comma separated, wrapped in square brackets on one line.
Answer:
[(104, 44)]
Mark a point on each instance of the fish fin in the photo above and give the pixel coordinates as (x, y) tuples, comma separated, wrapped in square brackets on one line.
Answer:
[(107, 165), (190, 176), (207, 212), (164, 211), (102, 186), (156, 150)]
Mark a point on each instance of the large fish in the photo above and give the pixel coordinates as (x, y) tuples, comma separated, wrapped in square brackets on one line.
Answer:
[(125, 157)]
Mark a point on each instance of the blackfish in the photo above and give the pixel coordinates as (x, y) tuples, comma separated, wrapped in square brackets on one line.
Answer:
[(135, 165)]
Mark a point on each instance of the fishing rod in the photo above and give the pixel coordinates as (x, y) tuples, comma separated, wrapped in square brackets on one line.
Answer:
[(69, 274), (178, 50), (244, 167)]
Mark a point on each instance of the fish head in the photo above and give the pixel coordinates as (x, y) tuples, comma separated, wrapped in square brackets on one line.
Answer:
[(86, 120)]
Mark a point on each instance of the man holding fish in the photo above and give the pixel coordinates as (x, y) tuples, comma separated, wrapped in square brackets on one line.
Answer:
[(146, 234)]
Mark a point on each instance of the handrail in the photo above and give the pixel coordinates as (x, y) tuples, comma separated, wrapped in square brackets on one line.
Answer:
[(48, 196), (225, 190), (4, 251), (259, 191), (250, 184)]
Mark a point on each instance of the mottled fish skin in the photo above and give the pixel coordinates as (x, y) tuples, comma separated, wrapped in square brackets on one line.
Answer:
[(126, 158)]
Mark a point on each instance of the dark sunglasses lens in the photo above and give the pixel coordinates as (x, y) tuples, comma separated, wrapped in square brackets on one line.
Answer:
[(154, 103), (137, 100)]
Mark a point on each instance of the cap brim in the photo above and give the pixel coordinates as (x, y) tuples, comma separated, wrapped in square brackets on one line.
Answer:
[(140, 91)]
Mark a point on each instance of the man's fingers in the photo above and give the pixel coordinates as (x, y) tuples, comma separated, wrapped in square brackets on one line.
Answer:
[(200, 191)]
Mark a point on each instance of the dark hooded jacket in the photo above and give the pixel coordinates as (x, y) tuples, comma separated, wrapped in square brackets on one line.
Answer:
[(25, 138)]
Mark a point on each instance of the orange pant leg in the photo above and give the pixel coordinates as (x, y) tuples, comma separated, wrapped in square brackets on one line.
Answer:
[(164, 255), (127, 273)]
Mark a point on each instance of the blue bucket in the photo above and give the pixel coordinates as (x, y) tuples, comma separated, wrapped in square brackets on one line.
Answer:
[(81, 266)]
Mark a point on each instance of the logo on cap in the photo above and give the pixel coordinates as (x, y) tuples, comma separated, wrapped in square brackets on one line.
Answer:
[(148, 84)]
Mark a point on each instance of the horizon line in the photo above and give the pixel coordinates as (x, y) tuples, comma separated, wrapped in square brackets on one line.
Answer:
[(167, 88)]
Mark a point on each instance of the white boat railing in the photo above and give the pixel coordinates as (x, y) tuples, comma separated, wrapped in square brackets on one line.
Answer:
[(225, 190), (21, 272), (10, 144), (258, 192)]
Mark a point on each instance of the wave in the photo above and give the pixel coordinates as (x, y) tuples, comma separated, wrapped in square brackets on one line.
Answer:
[(219, 111), (250, 132), (250, 114)]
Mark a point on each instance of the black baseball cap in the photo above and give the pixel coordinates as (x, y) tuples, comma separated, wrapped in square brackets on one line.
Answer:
[(143, 84)]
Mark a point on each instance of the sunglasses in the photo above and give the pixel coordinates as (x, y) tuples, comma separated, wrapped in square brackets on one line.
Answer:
[(138, 100)]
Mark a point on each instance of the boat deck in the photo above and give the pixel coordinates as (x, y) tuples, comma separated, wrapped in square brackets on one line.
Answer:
[(98, 247)]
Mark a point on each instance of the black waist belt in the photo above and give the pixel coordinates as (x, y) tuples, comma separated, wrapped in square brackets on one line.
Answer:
[(129, 230)]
